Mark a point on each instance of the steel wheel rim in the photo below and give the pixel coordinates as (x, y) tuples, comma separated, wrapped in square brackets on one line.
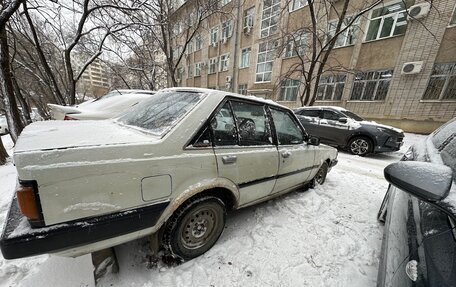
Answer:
[(359, 146), (199, 228), (319, 178)]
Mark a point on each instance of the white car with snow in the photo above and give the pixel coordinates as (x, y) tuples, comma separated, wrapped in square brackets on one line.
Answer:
[(175, 163), (111, 105)]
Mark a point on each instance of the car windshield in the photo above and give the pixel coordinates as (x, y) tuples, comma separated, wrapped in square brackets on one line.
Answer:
[(353, 116), (161, 112)]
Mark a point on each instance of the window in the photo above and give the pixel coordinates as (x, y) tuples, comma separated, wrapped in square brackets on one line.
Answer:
[(158, 114), (224, 2), (270, 17), (197, 69), (453, 17), (331, 115), (442, 84), (248, 19), (179, 73), (265, 62), (310, 113), (226, 29), (245, 58), (387, 21), (212, 65), (371, 86), (296, 44), (223, 127), (177, 52), (190, 47), (198, 43), (289, 90), (224, 62), (190, 71), (347, 37), (330, 88), (214, 34), (253, 124), (288, 131), (296, 4), (242, 89)]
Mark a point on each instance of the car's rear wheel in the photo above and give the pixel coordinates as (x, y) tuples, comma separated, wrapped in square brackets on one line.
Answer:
[(360, 146), (195, 227)]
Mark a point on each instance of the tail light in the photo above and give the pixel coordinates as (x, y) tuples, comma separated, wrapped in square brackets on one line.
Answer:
[(29, 203), (68, 118)]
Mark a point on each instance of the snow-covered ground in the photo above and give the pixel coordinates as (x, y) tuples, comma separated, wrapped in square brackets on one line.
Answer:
[(327, 236)]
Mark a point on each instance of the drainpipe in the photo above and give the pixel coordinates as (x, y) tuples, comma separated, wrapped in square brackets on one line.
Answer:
[(234, 76)]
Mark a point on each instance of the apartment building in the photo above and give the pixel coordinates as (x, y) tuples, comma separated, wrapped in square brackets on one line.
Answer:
[(94, 81), (391, 66)]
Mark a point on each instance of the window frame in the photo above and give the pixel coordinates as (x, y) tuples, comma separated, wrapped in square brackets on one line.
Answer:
[(352, 30), (334, 83), (268, 52), (366, 81), (447, 78), (293, 117), (198, 68), (198, 43), (240, 90), (292, 8), (243, 65), (226, 28), (290, 48), (225, 58), (249, 18), (214, 37), (212, 62), (395, 15), (284, 88), (274, 5), (453, 18)]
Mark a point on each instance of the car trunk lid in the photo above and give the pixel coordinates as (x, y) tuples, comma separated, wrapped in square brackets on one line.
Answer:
[(51, 135)]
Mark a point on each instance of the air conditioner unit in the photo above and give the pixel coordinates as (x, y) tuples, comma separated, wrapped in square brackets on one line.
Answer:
[(411, 68), (228, 79), (178, 81), (248, 30), (418, 11), (224, 40), (214, 44)]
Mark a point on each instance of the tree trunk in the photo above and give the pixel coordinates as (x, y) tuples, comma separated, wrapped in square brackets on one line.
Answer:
[(3, 153), (12, 114), (25, 106)]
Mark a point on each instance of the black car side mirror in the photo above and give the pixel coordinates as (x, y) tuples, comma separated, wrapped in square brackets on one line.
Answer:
[(313, 141), (343, 120), (427, 181)]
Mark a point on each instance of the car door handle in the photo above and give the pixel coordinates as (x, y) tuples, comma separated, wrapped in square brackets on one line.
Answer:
[(286, 154), (227, 159)]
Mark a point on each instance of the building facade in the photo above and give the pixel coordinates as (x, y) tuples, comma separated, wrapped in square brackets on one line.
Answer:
[(94, 81), (395, 64)]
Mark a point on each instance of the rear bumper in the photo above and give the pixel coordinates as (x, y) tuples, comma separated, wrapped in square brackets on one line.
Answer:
[(19, 240)]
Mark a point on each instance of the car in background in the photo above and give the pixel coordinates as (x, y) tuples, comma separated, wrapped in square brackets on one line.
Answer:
[(339, 127), (3, 125), (174, 163), (108, 106), (419, 212)]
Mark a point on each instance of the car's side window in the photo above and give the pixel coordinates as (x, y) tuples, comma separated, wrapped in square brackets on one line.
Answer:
[(253, 124), (223, 127), (203, 139), (310, 113), (288, 131), (330, 115)]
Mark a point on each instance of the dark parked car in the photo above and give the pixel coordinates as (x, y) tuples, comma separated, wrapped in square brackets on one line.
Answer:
[(339, 127), (419, 211)]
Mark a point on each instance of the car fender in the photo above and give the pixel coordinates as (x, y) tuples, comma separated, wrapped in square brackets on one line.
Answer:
[(360, 133), (195, 189)]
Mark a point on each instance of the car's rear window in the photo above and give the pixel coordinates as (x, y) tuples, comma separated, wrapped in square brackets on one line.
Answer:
[(161, 112)]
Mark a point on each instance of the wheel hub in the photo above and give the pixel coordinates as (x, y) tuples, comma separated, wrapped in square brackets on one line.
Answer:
[(198, 228), (359, 146)]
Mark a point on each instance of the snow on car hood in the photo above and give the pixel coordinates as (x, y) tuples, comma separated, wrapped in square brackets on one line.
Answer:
[(372, 123), (67, 134)]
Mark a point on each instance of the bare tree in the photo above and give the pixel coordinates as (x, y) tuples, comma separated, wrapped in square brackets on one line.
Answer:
[(312, 44)]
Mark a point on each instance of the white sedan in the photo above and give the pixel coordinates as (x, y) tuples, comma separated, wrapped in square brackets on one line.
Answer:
[(108, 106), (173, 165)]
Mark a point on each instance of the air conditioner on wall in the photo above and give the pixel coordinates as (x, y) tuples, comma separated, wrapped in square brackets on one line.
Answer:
[(418, 11), (228, 79), (411, 68), (178, 81), (224, 40), (248, 30)]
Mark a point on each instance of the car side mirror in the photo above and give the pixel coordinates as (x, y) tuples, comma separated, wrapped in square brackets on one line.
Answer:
[(427, 181), (313, 141), (343, 120)]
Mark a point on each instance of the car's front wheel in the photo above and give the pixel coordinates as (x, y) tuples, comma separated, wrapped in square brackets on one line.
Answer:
[(195, 227), (360, 146)]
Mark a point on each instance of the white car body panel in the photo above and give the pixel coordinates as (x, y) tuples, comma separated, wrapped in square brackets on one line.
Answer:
[(85, 169)]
